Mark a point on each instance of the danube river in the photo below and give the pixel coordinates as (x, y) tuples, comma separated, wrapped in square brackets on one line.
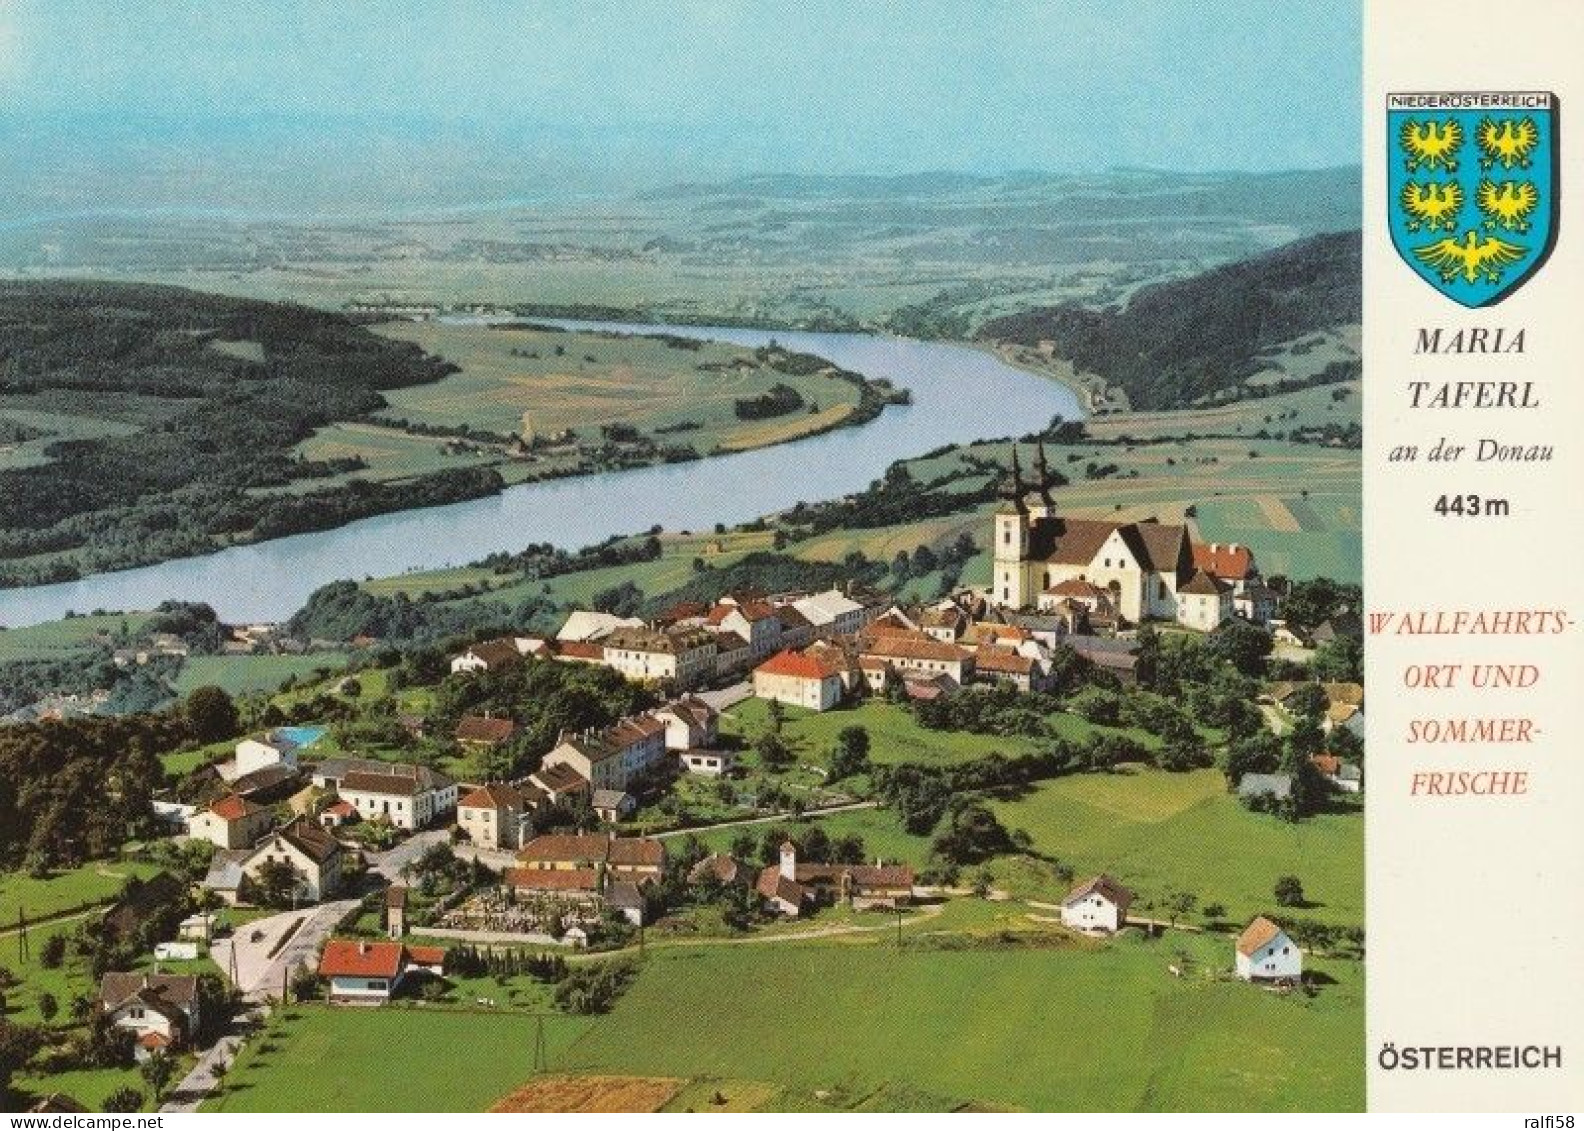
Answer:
[(959, 394)]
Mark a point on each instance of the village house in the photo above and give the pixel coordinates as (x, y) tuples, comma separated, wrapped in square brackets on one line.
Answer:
[(230, 822), (684, 657), (364, 972), (315, 857), (1097, 904), (732, 653), (337, 813), (994, 664), (1266, 953), (914, 656), (633, 857), (404, 795), (612, 805), (261, 750), (1278, 787), (690, 723), (753, 619), (945, 623), (832, 613), (481, 732), (494, 815), (160, 1010), (487, 655), (796, 631), (800, 679), (572, 894), (1204, 602), (615, 757), (791, 888), (559, 783)]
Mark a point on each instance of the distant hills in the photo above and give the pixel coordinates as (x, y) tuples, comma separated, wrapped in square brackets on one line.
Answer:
[(1199, 339)]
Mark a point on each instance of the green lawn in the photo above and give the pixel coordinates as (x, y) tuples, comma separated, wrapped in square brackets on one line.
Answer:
[(393, 1059), (1040, 1028), (96, 882), (1158, 832), (893, 734), (55, 639)]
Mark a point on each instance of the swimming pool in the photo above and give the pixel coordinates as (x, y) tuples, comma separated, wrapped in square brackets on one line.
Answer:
[(301, 736)]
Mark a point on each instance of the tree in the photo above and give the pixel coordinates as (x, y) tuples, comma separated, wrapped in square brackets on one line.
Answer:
[(1180, 904), (1289, 892), (157, 1071), (276, 882), (1308, 701), (1340, 660), (1243, 645), (53, 952), (851, 756), (48, 1007), (973, 836), (211, 713), (123, 1099)]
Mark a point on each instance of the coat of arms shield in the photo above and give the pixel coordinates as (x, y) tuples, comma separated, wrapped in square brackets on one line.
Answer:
[(1472, 188)]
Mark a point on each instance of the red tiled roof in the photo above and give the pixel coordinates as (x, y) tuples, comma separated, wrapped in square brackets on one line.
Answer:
[(1256, 935), (798, 665), (234, 808), (561, 848), (911, 646), (991, 659), (1103, 885), (492, 796), (637, 851), (1228, 561), (580, 650), (427, 955), (354, 958)]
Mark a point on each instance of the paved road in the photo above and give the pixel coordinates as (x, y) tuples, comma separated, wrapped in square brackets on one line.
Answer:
[(728, 697), (259, 977), (389, 864)]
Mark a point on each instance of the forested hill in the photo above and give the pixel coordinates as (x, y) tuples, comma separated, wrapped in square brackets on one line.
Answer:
[(1199, 339), (162, 418)]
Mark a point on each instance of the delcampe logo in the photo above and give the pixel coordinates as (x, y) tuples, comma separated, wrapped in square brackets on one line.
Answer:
[(1472, 188)]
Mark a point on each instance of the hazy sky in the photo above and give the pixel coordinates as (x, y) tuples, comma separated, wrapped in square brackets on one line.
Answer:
[(728, 86)]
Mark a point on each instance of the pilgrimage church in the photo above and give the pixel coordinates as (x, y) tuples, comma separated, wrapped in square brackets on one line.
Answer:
[(1145, 570)]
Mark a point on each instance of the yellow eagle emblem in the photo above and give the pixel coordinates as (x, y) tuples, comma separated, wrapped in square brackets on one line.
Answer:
[(1431, 144), (1507, 142), (1473, 258), (1507, 204), (1434, 205)]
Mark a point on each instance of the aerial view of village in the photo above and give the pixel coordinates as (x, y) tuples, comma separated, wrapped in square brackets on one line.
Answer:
[(703, 558)]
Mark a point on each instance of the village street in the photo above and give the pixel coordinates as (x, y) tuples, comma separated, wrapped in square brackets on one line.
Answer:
[(258, 976)]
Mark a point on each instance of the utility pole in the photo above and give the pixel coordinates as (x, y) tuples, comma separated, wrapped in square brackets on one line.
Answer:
[(541, 1062), (24, 950)]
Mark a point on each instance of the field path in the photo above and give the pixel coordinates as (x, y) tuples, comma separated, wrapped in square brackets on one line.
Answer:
[(770, 820)]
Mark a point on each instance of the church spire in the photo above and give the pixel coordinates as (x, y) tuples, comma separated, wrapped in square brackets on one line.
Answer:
[(1046, 479), (1013, 489)]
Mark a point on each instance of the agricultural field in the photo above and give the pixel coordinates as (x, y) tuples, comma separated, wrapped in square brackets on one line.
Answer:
[(240, 675), (55, 640), (1161, 832), (319, 1058), (92, 883), (1167, 1044), (585, 381)]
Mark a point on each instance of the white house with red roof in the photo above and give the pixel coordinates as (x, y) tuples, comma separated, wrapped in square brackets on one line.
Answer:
[(368, 972), (1265, 952), (159, 1010), (231, 822), (809, 679)]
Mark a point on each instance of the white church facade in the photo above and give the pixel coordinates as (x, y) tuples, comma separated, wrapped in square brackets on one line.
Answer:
[(1148, 570)]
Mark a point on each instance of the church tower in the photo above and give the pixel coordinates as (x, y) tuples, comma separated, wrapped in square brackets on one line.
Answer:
[(1008, 585), (1044, 482)]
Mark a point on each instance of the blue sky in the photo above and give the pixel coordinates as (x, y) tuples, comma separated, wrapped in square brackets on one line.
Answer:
[(723, 87)]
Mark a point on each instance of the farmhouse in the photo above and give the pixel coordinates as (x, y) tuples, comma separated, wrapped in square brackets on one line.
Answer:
[(1265, 953), (405, 795), (800, 679), (791, 888), (361, 972), (160, 1010), (1097, 904), (230, 822)]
